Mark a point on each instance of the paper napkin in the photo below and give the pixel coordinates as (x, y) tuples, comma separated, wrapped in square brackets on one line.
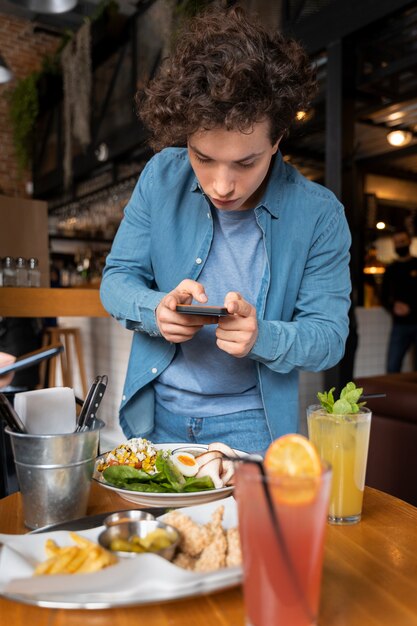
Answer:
[(47, 411)]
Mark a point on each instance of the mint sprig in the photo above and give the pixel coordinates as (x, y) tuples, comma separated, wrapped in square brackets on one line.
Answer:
[(346, 404)]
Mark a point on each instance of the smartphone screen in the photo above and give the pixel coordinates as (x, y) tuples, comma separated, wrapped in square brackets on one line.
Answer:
[(202, 309)]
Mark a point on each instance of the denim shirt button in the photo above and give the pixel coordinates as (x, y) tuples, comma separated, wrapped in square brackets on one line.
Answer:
[(209, 215), (123, 398), (198, 261), (154, 370)]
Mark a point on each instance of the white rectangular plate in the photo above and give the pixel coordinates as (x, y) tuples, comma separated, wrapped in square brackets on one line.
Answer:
[(120, 585)]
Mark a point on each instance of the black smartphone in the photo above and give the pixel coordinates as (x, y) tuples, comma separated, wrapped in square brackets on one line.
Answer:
[(32, 358), (202, 309)]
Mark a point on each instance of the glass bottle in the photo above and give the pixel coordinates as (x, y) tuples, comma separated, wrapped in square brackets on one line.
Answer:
[(34, 275), (21, 273), (9, 272)]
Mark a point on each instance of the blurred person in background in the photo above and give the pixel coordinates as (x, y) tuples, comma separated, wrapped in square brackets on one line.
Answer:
[(399, 297)]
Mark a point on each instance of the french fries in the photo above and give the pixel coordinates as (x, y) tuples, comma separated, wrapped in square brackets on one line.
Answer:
[(86, 556)]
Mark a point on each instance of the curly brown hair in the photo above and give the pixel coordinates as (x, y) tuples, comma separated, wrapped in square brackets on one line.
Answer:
[(226, 71)]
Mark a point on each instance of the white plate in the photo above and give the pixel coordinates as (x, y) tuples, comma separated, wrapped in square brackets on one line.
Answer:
[(168, 499), (120, 585)]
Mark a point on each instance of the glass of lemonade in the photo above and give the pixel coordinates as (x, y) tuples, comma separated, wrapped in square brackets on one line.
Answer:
[(343, 442), (282, 540)]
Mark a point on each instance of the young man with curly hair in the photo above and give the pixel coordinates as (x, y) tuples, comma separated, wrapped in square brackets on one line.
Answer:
[(218, 217)]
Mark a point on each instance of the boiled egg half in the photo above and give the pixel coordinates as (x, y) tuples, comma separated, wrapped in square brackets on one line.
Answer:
[(185, 462)]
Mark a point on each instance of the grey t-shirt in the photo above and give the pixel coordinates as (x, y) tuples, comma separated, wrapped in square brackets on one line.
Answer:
[(203, 380)]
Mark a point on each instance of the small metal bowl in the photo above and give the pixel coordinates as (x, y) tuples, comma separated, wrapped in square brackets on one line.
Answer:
[(133, 515), (141, 528)]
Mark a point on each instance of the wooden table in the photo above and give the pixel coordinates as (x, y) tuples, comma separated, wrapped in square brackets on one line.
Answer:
[(370, 576)]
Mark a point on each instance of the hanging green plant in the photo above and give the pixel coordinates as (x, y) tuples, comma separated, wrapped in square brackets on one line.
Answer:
[(24, 97), (23, 111)]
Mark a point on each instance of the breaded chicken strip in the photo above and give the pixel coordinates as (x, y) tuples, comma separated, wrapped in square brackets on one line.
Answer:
[(194, 538), (185, 561), (234, 552), (214, 555), (216, 519), (205, 548)]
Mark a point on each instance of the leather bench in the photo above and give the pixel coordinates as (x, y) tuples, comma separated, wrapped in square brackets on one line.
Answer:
[(392, 459)]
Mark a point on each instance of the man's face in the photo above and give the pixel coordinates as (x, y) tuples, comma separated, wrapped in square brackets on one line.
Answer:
[(401, 240), (232, 166)]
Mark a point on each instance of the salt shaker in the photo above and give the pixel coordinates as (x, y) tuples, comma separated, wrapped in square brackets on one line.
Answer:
[(9, 272), (21, 273), (34, 275)]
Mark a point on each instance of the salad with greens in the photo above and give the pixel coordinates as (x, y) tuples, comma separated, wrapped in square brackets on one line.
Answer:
[(165, 478), (348, 402), (140, 465)]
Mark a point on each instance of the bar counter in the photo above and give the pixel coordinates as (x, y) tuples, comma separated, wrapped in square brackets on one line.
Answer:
[(45, 302)]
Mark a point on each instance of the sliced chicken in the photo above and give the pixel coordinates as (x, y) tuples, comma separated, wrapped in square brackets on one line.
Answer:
[(223, 448), (213, 469), (205, 457), (228, 470)]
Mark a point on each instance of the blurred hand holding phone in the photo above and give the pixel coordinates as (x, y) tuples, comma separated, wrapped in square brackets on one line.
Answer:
[(31, 358)]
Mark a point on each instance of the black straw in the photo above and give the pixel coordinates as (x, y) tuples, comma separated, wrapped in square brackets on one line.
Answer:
[(281, 540), (370, 396)]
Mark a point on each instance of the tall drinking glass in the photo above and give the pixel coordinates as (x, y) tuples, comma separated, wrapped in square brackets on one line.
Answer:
[(343, 442), (282, 525)]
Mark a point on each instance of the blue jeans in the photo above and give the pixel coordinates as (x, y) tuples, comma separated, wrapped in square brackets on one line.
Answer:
[(403, 336), (244, 430)]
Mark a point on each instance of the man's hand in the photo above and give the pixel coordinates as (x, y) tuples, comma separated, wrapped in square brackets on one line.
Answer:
[(401, 308), (237, 333), (177, 327)]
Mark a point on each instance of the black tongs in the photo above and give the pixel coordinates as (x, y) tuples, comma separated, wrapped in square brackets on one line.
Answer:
[(90, 407), (10, 416)]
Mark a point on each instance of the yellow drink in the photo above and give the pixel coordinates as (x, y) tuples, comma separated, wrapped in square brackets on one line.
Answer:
[(342, 441)]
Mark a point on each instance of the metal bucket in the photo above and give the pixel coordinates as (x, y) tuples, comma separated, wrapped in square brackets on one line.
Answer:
[(54, 474)]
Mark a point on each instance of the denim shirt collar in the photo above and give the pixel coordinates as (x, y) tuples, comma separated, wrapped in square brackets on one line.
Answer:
[(271, 198)]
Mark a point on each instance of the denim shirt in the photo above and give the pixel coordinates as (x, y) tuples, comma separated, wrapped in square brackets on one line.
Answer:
[(302, 308)]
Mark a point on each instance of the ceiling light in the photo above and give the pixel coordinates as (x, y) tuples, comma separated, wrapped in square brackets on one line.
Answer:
[(5, 73), (47, 6), (399, 137), (304, 116), (394, 117), (102, 152), (372, 264), (381, 225), (374, 269)]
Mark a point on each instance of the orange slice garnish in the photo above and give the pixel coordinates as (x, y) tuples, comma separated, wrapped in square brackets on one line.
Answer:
[(294, 462), (293, 455)]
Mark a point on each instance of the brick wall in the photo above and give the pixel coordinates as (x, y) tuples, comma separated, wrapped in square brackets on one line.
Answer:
[(23, 50)]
